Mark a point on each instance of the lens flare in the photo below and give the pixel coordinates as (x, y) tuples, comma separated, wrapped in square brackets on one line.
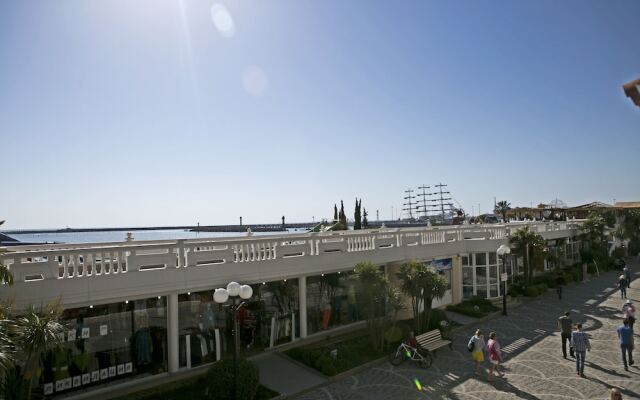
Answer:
[(254, 81), (222, 20)]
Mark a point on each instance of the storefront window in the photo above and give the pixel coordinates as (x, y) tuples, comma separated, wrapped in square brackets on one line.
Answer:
[(493, 275), (108, 342), (269, 318), (481, 258), (202, 325), (492, 258), (332, 300), (481, 276), (275, 314), (467, 276)]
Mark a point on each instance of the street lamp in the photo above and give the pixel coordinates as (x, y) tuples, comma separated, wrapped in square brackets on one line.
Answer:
[(220, 296), (502, 251)]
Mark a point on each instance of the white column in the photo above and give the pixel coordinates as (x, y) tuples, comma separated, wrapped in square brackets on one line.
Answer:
[(172, 332), (302, 297)]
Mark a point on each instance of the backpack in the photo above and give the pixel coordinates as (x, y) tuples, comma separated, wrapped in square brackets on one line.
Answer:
[(470, 345)]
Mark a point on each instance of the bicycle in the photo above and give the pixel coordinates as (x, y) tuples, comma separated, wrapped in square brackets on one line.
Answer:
[(406, 352)]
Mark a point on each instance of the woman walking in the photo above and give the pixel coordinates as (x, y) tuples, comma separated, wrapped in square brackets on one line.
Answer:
[(477, 345), (495, 356)]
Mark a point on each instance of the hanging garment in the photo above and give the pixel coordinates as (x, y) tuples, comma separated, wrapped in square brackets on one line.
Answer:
[(203, 345), (326, 316), (143, 347)]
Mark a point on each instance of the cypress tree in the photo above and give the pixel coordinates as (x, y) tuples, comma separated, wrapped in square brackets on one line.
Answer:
[(342, 216), (357, 216), (365, 221), (335, 213)]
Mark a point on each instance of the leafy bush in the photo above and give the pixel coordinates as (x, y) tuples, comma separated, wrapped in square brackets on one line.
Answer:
[(531, 291), (568, 278), (576, 272), (325, 364), (475, 307), (186, 389), (220, 380), (349, 354)]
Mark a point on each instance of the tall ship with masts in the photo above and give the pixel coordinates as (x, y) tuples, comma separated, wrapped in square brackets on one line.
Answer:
[(433, 205)]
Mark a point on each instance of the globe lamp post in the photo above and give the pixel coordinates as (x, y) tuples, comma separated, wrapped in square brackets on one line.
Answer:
[(237, 295)]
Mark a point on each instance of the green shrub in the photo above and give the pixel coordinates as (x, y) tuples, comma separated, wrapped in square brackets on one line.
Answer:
[(516, 290), (591, 268), (309, 356), (350, 353), (531, 291), (568, 278), (325, 365), (475, 307), (220, 380), (542, 287), (577, 274)]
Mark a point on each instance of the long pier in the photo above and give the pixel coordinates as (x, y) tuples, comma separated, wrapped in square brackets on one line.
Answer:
[(194, 228)]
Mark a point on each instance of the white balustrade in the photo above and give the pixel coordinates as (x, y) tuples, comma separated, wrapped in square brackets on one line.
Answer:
[(101, 260)]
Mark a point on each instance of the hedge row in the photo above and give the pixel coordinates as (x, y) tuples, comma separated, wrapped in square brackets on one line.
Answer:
[(475, 307), (336, 358)]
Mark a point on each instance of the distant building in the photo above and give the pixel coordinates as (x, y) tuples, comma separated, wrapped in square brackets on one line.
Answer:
[(628, 205), (583, 211)]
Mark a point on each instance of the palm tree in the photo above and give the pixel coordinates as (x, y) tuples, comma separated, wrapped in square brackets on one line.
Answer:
[(501, 208), (593, 231), (36, 332), (409, 276), (6, 326), (380, 302), (530, 246), (434, 286)]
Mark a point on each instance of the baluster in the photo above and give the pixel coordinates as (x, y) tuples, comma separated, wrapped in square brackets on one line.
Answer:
[(124, 261), (65, 263)]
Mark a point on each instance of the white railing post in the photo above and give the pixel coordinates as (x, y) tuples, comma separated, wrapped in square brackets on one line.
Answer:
[(302, 301), (173, 332)]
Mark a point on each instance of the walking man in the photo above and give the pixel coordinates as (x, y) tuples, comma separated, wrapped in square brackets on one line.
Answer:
[(627, 275), (565, 324), (559, 283), (477, 351), (629, 311), (622, 285), (625, 335), (580, 344)]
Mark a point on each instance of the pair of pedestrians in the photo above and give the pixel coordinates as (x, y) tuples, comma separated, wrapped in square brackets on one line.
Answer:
[(577, 339), (478, 347)]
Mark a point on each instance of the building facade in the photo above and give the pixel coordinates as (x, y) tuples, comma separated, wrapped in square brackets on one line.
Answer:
[(139, 309)]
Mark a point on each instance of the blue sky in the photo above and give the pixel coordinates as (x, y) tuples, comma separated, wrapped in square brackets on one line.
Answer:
[(142, 113)]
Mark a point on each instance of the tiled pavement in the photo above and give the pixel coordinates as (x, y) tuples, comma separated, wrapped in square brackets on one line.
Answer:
[(534, 362)]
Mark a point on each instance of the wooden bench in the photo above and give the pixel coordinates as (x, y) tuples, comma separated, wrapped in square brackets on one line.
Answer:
[(432, 341)]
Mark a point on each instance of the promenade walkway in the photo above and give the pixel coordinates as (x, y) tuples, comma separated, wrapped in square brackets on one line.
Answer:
[(532, 350)]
